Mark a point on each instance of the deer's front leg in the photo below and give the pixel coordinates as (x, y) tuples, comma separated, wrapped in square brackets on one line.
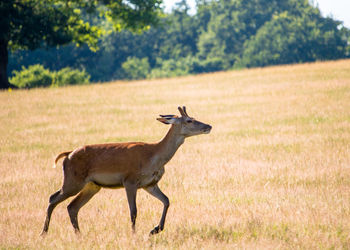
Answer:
[(131, 191), (156, 192)]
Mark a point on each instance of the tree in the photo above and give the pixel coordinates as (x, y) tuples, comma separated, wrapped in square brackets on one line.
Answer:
[(231, 24), (221, 35), (287, 39), (176, 37), (31, 24)]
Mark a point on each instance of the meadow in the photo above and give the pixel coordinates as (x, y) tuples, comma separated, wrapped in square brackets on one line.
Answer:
[(274, 173)]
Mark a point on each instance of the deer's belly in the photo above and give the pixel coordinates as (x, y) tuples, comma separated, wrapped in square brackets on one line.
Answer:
[(108, 180)]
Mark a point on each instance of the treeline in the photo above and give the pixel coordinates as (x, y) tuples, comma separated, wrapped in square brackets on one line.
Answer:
[(222, 35)]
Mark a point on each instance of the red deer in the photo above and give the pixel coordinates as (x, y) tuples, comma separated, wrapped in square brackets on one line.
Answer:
[(131, 165)]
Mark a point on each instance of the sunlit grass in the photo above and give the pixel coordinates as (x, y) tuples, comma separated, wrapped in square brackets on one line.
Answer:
[(274, 173)]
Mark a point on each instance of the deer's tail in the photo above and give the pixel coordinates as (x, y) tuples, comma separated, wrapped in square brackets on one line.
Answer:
[(63, 154)]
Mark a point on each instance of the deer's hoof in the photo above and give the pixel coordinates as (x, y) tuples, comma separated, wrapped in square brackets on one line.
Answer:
[(43, 234), (156, 230)]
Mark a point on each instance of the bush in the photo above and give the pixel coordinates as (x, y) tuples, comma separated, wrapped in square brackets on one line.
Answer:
[(136, 68), (31, 77), (37, 76), (69, 76), (172, 68), (186, 65)]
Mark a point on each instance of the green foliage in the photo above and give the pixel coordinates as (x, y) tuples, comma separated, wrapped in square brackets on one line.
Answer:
[(288, 39), (33, 24), (184, 66), (171, 68), (31, 77), (45, 23), (136, 68), (36, 23), (211, 64), (37, 76), (68, 76), (222, 35)]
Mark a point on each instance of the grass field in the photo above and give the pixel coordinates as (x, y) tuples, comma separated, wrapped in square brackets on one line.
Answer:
[(274, 173)]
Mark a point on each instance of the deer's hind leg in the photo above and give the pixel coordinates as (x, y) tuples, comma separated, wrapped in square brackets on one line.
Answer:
[(69, 188), (54, 200), (84, 196)]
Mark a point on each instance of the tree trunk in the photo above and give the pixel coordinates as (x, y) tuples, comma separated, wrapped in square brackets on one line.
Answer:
[(4, 83)]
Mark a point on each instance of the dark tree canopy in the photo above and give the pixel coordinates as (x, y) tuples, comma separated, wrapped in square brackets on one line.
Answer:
[(31, 24), (221, 35)]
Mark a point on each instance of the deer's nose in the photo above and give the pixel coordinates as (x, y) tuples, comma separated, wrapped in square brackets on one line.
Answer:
[(207, 128)]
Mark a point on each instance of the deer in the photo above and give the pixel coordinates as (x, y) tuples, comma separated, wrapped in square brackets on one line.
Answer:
[(129, 165)]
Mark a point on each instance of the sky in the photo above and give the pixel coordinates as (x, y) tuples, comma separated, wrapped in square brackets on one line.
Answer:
[(337, 9)]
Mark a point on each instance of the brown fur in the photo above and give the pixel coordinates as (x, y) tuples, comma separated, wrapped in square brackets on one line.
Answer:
[(132, 165), (63, 154)]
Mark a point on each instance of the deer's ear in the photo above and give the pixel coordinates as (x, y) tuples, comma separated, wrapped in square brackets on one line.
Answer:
[(168, 119), (163, 120)]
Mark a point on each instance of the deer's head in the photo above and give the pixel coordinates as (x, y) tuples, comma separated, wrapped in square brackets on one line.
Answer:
[(185, 125)]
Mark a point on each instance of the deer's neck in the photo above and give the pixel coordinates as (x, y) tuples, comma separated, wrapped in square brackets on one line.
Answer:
[(168, 146)]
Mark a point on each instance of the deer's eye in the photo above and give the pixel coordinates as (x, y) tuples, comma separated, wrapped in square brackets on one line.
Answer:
[(189, 121)]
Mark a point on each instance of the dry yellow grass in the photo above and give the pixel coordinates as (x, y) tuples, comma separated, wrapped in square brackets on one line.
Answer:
[(273, 173)]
